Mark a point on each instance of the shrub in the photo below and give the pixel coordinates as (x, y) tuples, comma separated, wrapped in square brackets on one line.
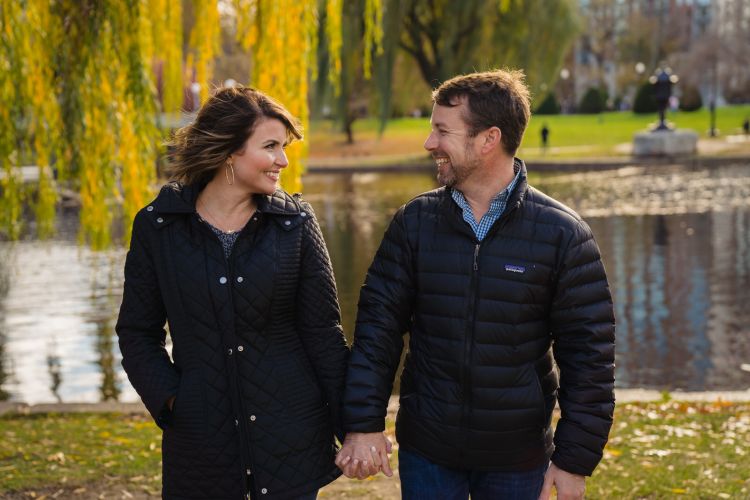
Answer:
[(549, 106), (593, 101), (691, 99), (645, 102)]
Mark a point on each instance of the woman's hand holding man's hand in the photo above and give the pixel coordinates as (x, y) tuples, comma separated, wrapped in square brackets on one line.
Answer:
[(364, 454)]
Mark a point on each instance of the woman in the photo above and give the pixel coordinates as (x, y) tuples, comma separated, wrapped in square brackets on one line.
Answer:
[(238, 268)]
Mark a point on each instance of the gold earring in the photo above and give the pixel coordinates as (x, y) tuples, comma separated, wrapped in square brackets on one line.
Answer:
[(229, 167)]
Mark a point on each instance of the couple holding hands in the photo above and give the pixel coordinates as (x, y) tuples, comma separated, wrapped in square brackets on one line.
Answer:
[(501, 288)]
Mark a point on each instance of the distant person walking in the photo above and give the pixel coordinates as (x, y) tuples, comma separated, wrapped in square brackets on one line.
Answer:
[(545, 137), (746, 126)]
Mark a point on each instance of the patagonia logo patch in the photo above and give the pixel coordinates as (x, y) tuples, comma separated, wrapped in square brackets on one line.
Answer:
[(515, 269)]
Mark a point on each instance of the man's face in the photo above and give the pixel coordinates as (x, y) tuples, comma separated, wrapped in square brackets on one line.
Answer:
[(451, 146)]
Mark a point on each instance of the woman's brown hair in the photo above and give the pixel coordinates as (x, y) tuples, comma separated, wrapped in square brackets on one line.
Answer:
[(221, 128)]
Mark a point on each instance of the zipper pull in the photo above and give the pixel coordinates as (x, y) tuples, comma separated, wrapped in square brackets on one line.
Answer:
[(476, 254)]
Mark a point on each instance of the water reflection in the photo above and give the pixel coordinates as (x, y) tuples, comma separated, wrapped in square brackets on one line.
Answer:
[(54, 370), (4, 359), (354, 210), (105, 297), (57, 319), (675, 241)]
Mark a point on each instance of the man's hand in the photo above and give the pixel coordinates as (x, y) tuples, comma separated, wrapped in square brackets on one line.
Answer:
[(364, 454), (569, 486)]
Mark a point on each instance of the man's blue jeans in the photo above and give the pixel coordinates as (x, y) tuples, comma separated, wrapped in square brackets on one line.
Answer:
[(424, 480)]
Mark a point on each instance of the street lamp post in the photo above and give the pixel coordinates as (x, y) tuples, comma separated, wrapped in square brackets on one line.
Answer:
[(662, 81), (565, 74)]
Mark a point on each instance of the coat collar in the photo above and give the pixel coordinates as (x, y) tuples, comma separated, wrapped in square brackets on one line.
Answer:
[(175, 198)]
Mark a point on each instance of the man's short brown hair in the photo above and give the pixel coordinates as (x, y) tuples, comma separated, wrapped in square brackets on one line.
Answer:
[(497, 98)]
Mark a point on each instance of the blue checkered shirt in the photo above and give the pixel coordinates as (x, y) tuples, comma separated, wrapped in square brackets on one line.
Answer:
[(497, 207)]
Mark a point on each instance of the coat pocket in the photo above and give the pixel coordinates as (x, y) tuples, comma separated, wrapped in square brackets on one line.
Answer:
[(188, 412)]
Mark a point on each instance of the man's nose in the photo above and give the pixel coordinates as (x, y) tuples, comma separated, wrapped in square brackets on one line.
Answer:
[(431, 142)]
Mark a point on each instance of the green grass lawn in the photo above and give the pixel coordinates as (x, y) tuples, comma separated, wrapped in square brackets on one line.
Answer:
[(656, 450), (571, 136)]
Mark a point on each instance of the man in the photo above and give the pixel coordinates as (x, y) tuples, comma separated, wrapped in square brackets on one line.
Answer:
[(492, 279), (545, 137)]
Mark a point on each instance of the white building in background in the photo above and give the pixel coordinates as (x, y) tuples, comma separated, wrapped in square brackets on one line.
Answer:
[(707, 42)]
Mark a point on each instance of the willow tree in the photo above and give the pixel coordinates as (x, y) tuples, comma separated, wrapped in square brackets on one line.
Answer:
[(82, 83), (445, 38)]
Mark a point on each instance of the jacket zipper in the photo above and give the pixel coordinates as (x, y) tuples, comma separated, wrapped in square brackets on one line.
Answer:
[(469, 345)]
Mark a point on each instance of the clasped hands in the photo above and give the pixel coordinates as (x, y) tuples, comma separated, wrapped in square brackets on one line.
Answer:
[(363, 454)]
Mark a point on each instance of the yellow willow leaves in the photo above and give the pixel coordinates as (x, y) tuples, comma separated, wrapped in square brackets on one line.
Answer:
[(335, 42), (11, 201), (43, 112), (504, 5), (137, 156), (282, 38), (204, 40), (281, 35), (27, 91), (117, 140), (97, 149), (373, 32), (77, 89), (170, 48), (161, 44)]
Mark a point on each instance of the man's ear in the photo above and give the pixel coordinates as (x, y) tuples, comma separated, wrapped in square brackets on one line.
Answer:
[(492, 138)]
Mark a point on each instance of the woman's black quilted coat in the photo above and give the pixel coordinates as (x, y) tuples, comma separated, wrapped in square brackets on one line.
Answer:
[(259, 354)]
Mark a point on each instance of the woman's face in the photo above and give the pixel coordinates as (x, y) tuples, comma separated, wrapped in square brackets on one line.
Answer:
[(257, 166)]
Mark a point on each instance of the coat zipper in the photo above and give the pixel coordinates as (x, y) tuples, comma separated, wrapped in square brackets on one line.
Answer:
[(469, 345)]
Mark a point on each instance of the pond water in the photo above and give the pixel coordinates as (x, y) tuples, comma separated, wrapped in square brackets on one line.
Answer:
[(675, 242)]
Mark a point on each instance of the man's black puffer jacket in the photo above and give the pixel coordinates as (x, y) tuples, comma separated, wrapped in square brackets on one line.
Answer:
[(479, 386), (259, 354)]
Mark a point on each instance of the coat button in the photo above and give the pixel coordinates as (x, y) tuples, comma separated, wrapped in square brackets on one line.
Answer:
[(159, 220), (252, 418), (223, 280), (240, 348), (287, 222), (240, 279), (264, 491), (236, 422), (303, 214), (229, 351), (150, 208), (255, 218), (249, 472)]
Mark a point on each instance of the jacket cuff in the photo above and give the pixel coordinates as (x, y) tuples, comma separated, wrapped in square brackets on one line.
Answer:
[(569, 464), (368, 426)]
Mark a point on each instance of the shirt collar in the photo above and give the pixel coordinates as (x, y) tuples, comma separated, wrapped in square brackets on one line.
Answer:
[(503, 195)]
